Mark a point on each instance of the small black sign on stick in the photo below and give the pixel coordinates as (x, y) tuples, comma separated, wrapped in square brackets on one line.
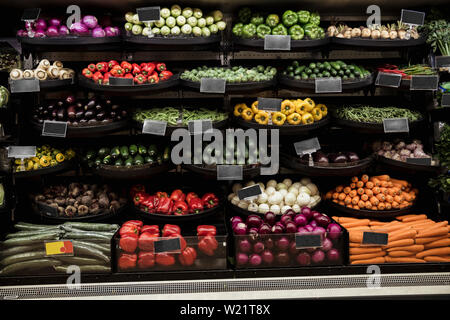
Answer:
[(445, 101), (31, 14), (24, 85), (307, 240), (421, 161), (248, 192), (416, 18), (269, 104), (167, 245), (116, 81), (154, 127), (277, 42), (211, 85), (422, 82), (385, 79), (54, 129), (307, 146), (395, 125), (328, 85), (375, 238), (149, 14)]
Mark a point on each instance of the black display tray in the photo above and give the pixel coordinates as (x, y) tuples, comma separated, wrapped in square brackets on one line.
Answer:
[(69, 40), (53, 83), (170, 129), (310, 84), (285, 129), (64, 166), (440, 114), (295, 44), (235, 87), (363, 213), (89, 84), (320, 170), (410, 167), (366, 127), (248, 172), (88, 130), (382, 43), (240, 211), (172, 40), (130, 173)]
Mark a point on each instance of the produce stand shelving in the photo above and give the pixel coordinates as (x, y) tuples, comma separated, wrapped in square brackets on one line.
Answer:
[(349, 281)]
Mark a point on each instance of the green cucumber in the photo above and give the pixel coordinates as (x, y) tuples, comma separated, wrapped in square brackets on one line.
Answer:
[(87, 226), (142, 150), (115, 152), (24, 241), (107, 160), (129, 162), (31, 265), (118, 162), (124, 152), (152, 150), (103, 152), (24, 256)]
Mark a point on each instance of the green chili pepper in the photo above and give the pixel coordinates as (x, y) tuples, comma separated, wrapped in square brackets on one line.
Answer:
[(303, 16), (237, 29), (279, 30), (296, 32), (262, 30), (272, 20), (289, 18), (248, 31)]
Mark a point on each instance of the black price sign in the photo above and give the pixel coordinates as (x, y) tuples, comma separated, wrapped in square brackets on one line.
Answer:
[(375, 238), (385, 79), (211, 85), (116, 81), (395, 125), (229, 172), (442, 61), (54, 129), (252, 191), (412, 17), (328, 85), (157, 128), (199, 126), (445, 101), (307, 146), (21, 152), (424, 82), (24, 85), (307, 240), (277, 42), (167, 245), (269, 104), (420, 161), (149, 14), (47, 210), (31, 14)]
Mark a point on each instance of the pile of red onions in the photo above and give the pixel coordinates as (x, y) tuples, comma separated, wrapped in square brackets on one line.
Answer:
[(88, 26), (268, 242)]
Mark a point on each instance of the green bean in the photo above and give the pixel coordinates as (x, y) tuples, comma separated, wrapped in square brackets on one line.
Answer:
[(371, 114)]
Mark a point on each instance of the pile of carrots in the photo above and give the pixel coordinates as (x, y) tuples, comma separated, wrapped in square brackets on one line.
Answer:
[(411, 239), (374, 193)]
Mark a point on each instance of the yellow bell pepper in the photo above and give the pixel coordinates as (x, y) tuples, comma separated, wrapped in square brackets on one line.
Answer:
[(287, 107), (36, 166), (294, 118), (302, 108), (317, 114), (59, 157), (307, 118), (247, 114), (278, 118), (262, 117), (44, 162), (255, 107), (311, 103), (53, 162), (323, 108), (29, 165), (239, 108)]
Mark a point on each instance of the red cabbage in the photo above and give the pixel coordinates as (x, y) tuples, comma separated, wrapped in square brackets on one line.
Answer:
[(309, 228), (39, 34), (63, 30), (116, 31), (235, 220), (277, 229), (110, 32), (90, 21), (98, 33), (40, 24)]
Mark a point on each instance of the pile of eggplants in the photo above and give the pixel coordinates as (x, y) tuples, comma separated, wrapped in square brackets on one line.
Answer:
[(75, 112), (332, 157), (266, 242)]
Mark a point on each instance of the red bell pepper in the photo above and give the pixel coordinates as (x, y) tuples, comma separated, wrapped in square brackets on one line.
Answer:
[(87, 73), (126, 66), (160, 194), (154, 229), (137, 223), (139, 79), (137, 188), (187, 256), (150, 204), (128, 242), (146, 259), (196, 205), (210, 200), (208, 245), (164, 75), (128, 229), (165, 259), (206, 230), (165, 206), (102, 67), (146, 240), (112, 63), (117, 71), (177, 195), (106, 78), (170, 229), (138, 198), (136, 69), (160, 66), (153, 78), (127, 261), (92, 67), (128, 75), (190, 196), (147, 68), (97, 77), (180, 208)]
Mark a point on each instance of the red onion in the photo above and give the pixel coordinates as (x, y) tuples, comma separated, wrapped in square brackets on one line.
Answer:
[(116, 31), (40, 24), (241, 259), (255, 260), (276, 229), (254, 221), (236, 219), (333, 255), (265, 229), (319, 230), (302, 230), (318, 256), (245, 246), (293, 248), (268, 243), (327, 244), (253, 231), (79, 28), (300, 220), (54, 22), (282, 243), (334, 231), (282, 258), (258, 247), (98, 32), (307, 213), (90, 21), (285, 219), (315, 214), (21, 33), (63, 30), (39, 34), (110, 32), (267, 257), (30, 25), (52, 31), (313, 223), (322, 220), (303, 258), (309, 228), (270, 218), (240, 228), (290, 212), (291, 227)]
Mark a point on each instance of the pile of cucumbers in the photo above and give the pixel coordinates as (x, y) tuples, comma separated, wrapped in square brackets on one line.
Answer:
[(325, 69), (128, 156)]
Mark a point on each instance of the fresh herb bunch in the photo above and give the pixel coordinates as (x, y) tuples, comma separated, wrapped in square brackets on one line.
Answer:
[(441, 182), (443, 146), (438, 35)]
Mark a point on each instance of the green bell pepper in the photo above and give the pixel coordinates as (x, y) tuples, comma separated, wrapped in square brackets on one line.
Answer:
[(303, 16), (280, 30), (289, 18), (314, 18), (248, 31), (237, 29), (257, 19), (272, 20), (311, 31), (321, 32), (244, 15), (296, 32), (262, 30)]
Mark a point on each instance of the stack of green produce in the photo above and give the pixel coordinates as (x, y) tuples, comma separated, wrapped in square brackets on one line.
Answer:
[(4, 97), (235, 74), (23, 252), (176, 21), (442, 182), (325, 69), (174, 116), (8, 60), (370, 114), (438, 36), (299, 25), (132, 155)]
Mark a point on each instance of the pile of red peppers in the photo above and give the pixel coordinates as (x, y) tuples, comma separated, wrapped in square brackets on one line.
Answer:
[(146, 72), (137, 245), (177, 203)]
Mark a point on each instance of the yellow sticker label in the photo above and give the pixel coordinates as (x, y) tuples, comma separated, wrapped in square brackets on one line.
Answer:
[(59, 248)]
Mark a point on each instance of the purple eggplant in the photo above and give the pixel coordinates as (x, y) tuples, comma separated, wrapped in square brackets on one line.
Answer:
[(320, 157), (352, 156), (337, 157), (100, 116), (89, 114), (79, 115)]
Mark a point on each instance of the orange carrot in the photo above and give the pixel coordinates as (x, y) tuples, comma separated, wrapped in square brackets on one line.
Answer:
[(434, 252), (365, 250), (335, 201), (395, 205), (353, 193), (384, 185), (432, 232), (368, 205), (360, 191), (389, 198), (376, 190), (400, 243), (356, 207), (365, 178), (376, 223), (347, 190), (355, 236), (381, 197), (342, 196), (374, 201), (364, 197), (381, 206), (388, 206), (429, 239), (335, 195), (361, 222), (369, 185), (355, 200), (410, 234), (352, 185), (355, 179), (437, 258), (438, 243), (369, 261), (413, 248), (375, 181), (359, 184), (339, 189), (415, 218), (365, 256), (361, 204), (341, 203), (403, 259), (383, 177), (347, 219), (401, 253), (348, 200)]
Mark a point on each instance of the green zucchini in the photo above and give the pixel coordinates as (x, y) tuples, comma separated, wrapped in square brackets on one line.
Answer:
[(107, 160), (118, 162), (142, 150), (103, 152), (138, 160), (133, 149), (149, 159), (124, 152)]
